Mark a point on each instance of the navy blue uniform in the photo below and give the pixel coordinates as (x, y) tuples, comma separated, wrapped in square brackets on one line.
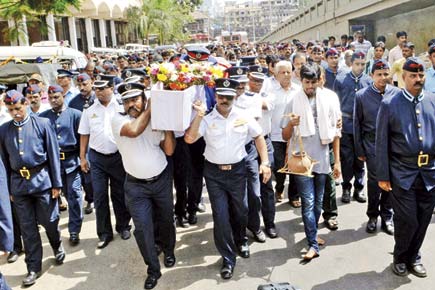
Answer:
[(31, 156), (6, 236), (330, 77), (367, 103), (346, 85), (65, 124), (80, 103), (405, 131)]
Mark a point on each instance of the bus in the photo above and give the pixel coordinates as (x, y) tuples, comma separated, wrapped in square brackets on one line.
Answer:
[(235, 37)]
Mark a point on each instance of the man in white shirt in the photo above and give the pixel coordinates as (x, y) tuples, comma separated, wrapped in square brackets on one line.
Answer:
[(148, 189), (96, 132), (360, 43), (283, 89), (396, 52), (225, 131)]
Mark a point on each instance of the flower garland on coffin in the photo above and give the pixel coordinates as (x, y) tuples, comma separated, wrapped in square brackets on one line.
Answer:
[(176, 86)]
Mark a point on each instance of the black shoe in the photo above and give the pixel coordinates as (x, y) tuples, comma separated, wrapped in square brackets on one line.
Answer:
[(74, 239), (89, 208), (271, 233), (259, 236), (59, 255), (371, 225), (359, 195), (388, 228), (169, 261), (331, 223), (151, 281), (227, 271), (31, 278), (418, 270), (181, 221), (399, 269), (244, 251), (192, 219), (345, 197), (13, 257), (125, 234), (104, 243)]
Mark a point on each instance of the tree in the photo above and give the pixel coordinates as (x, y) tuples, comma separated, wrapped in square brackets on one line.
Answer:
[(31, 10)]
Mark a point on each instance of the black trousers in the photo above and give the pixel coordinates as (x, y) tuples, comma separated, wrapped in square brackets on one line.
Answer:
[(18, 244), (279, 153), (152, 210), (413, 211), (267, 194), (330, 209), (34, 209)]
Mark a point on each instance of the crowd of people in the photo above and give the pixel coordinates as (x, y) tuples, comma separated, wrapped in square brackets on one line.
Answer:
[(349, 106)]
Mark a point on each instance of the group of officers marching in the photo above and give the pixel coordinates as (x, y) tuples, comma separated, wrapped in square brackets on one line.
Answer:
[(105, 131)]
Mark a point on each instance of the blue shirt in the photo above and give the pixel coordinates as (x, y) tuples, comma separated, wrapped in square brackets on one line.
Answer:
[(30, 144), (81, 102), (66, 125), (367, 102), (330, 77), (346, 85), (6, 231), (429, 84), (405, 129)]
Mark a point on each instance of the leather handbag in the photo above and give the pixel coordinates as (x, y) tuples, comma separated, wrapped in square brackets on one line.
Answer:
[(298, 162)]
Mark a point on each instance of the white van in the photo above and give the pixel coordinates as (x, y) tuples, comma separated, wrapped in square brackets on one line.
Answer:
[(136, 47), (49, 54)]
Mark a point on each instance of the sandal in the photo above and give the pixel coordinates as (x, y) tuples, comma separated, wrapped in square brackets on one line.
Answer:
[(295, 203)]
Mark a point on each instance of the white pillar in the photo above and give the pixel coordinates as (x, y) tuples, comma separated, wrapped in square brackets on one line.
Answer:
[(102, 25), (89, 32), (51, 28), (72, 32), (113, 32), (11, 24), (24, 37)]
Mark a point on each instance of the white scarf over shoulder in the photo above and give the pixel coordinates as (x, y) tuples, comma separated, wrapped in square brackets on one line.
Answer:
[(328, 113)]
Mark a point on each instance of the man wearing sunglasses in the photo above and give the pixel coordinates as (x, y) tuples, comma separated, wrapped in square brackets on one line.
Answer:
[(225, 131), (105, 159)]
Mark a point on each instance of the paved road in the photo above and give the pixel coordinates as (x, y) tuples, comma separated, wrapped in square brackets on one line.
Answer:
[(350, 260)]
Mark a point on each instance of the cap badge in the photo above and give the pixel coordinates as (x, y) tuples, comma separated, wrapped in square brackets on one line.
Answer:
[(226, 83), (239, 71)]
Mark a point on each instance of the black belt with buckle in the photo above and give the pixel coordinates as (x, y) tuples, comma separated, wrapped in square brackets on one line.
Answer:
[(28, 172), (133, 179), (65, 155), (420, 160)]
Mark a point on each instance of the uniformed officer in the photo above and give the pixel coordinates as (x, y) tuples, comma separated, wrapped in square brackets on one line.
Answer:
[(367, 102), (137, 75), (105, 160), (6, 225), (80, 102), (29, 149), (405, 155), (225, 130), (333, 69), (148, 189), (64, 79), (346, 85), (65, 122), (33, 95)]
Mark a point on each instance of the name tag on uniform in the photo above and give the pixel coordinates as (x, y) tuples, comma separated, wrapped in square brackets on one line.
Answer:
[(240, 122)]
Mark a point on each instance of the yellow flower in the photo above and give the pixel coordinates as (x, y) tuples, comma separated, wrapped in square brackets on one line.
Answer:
[(184, 68), (162, 77)]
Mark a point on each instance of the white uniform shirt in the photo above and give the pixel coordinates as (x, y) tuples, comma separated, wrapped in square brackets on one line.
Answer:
[(266, 118), (251, 103), (142, 156), (282, 98), (225, 138), (394, 55), (96, 122)]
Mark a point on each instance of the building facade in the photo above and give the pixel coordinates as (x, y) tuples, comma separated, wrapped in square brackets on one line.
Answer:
[(98, 23)]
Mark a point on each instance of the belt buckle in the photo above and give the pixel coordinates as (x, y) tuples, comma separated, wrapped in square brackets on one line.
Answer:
[(423, 159), (62, 155), (24, 172), (225, 167)]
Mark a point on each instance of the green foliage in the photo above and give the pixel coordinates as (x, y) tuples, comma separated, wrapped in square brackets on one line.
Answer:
[(163, 17), (31, 9)]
